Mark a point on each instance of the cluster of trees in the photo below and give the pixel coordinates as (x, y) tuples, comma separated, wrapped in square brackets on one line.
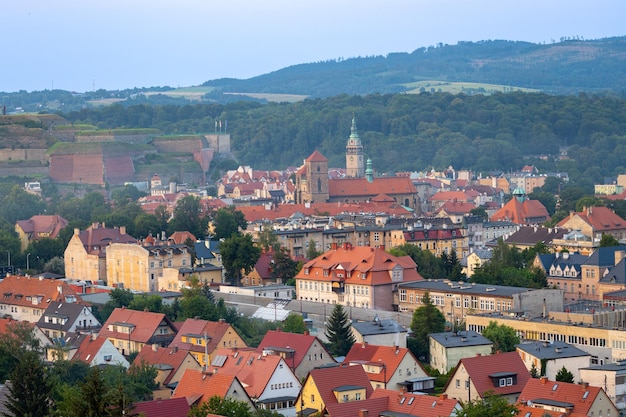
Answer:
[(408, 132)]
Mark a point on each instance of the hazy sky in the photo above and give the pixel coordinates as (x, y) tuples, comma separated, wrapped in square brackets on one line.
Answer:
[(117, 44)]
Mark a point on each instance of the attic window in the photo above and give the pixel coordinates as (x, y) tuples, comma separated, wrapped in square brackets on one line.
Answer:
[(402, 400), (585, 395), (555, 387), (410, 400)]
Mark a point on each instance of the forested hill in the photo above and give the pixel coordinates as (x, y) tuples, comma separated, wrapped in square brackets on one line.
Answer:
[(407, 132), (566, 67)]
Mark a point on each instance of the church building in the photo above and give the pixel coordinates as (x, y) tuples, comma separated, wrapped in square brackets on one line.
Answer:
[(314, 186)]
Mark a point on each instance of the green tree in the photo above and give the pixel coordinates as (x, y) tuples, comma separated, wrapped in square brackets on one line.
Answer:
[(564, 376), (146, 224), (284, 268), (294, 323), (55, 265), (227, 221), (239, 255), (338, 332), (608, 241), (503, 337), (89, 399), (188, 217), (480, 211), (427, 319), (268, 239), (222, 406), (30, 390), (491, 405), (311, 250), (534, 372), (428, 265)]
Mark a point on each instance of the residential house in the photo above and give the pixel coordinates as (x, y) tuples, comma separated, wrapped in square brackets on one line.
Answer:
[(197, 387), (130, 330), (85, 256), (447, 349), (455, 210), (476, 259), (563, 270), (555, 399), (390, 367), (170, 364), (39, 227), (439, 199), (549, 357), (207, 252), (267, 379), (95, 351), (389, 403), (148, 268), (26, 298), (331, 385), (385, 332), (202, 337), (457, 300), (437, 240), (593, 222), (301, 352), (355, 276), (611, 377), (492, 231), (503, 374), (173, 407), (261, 273), (61, 317), (521, 210), (527, 237)]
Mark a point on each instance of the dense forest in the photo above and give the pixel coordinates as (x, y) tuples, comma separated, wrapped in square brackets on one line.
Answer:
[(408, 132)]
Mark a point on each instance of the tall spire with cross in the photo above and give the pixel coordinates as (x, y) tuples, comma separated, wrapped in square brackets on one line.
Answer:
[(355, 163)]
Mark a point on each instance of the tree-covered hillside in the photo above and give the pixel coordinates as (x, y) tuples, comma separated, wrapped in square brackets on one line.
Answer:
[(403, 132)]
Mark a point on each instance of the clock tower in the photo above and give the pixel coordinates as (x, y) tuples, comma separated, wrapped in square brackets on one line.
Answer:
[(355, 165)]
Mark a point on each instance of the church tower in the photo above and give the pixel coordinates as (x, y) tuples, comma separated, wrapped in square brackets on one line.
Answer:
[(355, 164), (312, 180)]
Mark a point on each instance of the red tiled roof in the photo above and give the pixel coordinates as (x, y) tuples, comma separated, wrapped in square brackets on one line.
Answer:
[(480, 367), (328, 379), (97, 235), (6, 323), (543, 388), (456, 207), (88, 348), (163, 356), (599, 218), (20, 290), (181, 237), (391, 356), (316, 156), (347, 187), (198, 386), (374, 262), (145, 322), (254, 373), (374, 407), (300, 343), (43, 225), (264, 264), (450, 195), (173, 407), (421, 405), (519, 212), (214, 330)]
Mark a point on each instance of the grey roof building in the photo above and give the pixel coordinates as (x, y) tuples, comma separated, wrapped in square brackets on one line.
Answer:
[(447, 349), (387, 332)]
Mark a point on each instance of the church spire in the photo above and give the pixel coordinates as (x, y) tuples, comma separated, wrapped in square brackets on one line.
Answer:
[(355, 166)]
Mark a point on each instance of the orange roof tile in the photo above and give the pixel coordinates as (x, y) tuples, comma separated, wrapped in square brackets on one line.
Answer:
[(214, 330), (599, 218), (374, 262), (316, 156), (328, 379), (391, 356), (300, 343), (173, 407), (20, 290), (199, 386), (521, 212), (420, 405), (43, 225), (450, 195), (145, 324), (581, 397), (347, 187), (156, 355)]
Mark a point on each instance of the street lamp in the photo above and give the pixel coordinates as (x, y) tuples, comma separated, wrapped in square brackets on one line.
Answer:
[(27, 262)]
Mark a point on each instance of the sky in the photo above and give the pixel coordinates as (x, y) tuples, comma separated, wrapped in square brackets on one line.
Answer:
[(117, 44)]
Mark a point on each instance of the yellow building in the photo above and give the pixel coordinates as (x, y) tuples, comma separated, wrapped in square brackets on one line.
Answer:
[(436, 240), (85, 253), (145, 268)]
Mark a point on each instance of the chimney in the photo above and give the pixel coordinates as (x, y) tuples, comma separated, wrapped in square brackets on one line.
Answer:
[(478, 354), (543, 380), (619, 255), (155, 347), (382, 247), (363, 344), (123, 230), (363, 413), (584, 385), (333, 246), (221, 320), (443, 396), (94, 336), (306, 333)]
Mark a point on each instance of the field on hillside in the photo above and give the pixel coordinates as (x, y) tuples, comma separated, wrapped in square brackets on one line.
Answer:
[(188, 93), (432, 86), (276, 98)]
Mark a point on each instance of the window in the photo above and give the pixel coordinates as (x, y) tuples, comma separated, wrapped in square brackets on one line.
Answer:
[(357, 396), (502, 382), (402, 294), (345, 397), (458, 383), (312, 398)]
